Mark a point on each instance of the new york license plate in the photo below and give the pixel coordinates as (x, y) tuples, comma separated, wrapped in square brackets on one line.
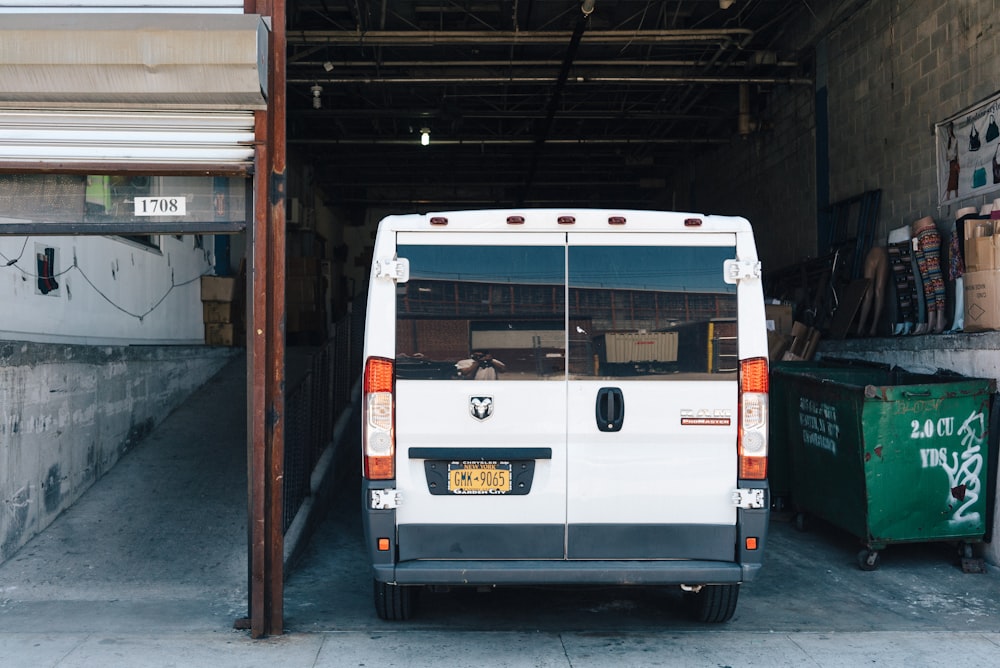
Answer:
[(479, 477)]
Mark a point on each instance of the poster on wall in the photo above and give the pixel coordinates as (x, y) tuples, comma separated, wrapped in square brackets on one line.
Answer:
[(968, 152)]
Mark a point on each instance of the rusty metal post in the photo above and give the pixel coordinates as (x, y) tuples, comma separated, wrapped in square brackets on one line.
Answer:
[(276, 318), (266, 344)]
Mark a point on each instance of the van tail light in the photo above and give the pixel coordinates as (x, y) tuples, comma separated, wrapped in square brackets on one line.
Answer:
[(378, 432), (752, 442)]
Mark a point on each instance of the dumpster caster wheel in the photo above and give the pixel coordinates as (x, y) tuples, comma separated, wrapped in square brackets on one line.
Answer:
[(801, 522), (868, 560), (970, 564)]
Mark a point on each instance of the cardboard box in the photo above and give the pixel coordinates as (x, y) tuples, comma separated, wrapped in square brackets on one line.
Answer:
[(982, 245), (218, 334), (777, 345), (982, 300), (781, 316), (805, 340), (218, 312), (218, 288)]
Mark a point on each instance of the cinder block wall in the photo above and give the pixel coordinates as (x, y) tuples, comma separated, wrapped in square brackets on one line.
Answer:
[(891, 70), (68, 413), (896, 69)]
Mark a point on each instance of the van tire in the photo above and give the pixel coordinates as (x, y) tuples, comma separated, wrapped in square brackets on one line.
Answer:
[(715, 604), (393, 602)]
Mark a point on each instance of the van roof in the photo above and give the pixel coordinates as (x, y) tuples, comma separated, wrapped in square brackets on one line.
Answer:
[(631, 220)]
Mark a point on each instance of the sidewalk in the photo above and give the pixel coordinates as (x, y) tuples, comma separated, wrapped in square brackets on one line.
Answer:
[(149, 569)]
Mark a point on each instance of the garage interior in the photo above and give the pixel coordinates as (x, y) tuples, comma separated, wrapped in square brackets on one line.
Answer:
[(777, 110), (530, 103)]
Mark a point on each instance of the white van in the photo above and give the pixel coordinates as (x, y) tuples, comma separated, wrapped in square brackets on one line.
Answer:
[(565, 396)]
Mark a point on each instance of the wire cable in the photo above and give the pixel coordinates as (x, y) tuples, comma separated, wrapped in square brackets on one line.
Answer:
[(137, 316)]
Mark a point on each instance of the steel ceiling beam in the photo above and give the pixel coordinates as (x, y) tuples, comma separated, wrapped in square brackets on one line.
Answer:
[(547, 81), (513, 37)]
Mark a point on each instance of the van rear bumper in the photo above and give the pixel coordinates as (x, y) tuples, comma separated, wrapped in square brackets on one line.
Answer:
[(561, 572)]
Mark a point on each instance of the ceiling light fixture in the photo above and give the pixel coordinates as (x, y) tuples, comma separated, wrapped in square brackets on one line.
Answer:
[(317, 90), (726, 4), (425, 136), (328, 66)]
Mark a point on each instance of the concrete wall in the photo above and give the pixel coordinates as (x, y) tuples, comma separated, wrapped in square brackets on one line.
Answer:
[(896, 69), (68, 413), (890, 70)]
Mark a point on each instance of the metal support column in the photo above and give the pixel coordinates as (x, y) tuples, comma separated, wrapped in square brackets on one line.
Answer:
[(266, 345)]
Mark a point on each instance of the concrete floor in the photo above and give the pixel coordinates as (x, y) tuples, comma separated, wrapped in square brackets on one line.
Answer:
[(149, 568)]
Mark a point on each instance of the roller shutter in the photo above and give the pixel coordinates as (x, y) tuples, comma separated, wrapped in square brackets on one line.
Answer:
[(121, 90)]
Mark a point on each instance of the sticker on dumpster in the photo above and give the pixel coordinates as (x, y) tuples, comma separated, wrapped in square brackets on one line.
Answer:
[(819, 424), (964, 484)]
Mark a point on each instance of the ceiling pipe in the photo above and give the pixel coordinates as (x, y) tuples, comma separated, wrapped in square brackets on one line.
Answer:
[(511, 37), (389, 64), (583, 21), (793, 81), (605, 141)]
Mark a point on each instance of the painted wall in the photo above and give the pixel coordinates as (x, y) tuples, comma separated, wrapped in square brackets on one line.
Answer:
[(108, 290), (70, 412)]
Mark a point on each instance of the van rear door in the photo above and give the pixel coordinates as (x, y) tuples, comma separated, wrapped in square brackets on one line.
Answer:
[(481, 462), (652, 396)]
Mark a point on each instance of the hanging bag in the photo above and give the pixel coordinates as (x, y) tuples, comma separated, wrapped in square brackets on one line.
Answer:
[(974, 142), (992, 132), (979, 177), (996, 165)]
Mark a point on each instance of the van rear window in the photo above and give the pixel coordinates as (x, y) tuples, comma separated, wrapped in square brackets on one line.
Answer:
[(501, 312)]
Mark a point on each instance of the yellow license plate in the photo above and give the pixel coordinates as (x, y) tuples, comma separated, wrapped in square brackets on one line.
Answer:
[(479, 477)]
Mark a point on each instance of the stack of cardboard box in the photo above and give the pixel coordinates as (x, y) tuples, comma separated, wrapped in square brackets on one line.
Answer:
[(805, 340), (217, 294), (982, 275)]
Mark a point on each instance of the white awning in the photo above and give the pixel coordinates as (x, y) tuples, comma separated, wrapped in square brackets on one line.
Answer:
[(133, 61)]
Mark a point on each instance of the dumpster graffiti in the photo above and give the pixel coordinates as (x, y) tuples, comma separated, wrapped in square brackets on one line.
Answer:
[(963, 470), (819, 424)]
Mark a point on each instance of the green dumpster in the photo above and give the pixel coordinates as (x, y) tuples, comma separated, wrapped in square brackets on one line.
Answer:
[(888, 455)]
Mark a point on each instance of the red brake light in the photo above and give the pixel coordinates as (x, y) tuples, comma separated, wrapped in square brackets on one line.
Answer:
[(378, 375), (753, 375)]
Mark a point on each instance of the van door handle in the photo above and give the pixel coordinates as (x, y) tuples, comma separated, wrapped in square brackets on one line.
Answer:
[(610, 409)]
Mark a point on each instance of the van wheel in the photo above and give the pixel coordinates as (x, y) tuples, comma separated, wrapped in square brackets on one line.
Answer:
[(715, 603), (393, 602)]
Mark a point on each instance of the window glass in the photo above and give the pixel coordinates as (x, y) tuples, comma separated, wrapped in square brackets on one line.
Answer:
[(106, 199), (651, 312), (481, 312)]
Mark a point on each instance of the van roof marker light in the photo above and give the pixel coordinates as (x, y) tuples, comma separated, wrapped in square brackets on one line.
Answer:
[(566, 220), (439, 220), (692, 222), (616, 220), (515, 220)]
